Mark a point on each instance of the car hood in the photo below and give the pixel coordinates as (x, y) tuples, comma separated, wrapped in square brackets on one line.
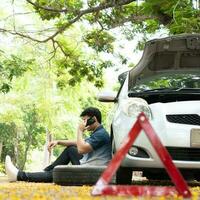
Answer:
[(176, 53)]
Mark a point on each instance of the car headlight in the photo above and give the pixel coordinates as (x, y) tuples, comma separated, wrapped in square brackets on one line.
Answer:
[(134, 106)]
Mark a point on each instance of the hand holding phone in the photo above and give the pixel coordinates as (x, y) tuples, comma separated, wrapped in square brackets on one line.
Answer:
[(90, 121)]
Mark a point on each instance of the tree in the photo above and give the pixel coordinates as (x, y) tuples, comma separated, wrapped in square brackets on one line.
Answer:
[(36, 103), (8, 133), (98, 19), (32, 136), (46, 89), (178, 16)]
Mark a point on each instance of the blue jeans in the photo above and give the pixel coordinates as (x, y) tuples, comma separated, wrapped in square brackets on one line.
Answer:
[(70, 154)]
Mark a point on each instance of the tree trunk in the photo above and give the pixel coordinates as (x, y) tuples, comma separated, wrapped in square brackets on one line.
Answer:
[(25, 156), (16, 143), (47, 154), (1, 147)]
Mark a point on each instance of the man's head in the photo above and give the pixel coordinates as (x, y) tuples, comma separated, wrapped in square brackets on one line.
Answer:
[(92, 112)]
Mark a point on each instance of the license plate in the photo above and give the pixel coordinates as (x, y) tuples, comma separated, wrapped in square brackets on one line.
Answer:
[(195, 137)]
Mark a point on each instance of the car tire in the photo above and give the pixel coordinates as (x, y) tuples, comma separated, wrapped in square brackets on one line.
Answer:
[(124, 176), (77, 174)]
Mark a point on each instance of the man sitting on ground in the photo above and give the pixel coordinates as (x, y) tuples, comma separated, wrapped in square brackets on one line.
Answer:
[(94, 150)]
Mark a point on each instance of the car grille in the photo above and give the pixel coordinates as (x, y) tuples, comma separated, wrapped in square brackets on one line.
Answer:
[(192, 119), (184, 154)]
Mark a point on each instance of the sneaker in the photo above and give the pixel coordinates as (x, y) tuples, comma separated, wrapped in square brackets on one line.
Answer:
[(11, 170)]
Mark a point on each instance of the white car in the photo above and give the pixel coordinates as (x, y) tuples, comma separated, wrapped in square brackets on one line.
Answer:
[(165, 85)]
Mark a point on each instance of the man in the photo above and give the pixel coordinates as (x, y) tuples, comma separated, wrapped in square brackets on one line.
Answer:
[(94, 150)]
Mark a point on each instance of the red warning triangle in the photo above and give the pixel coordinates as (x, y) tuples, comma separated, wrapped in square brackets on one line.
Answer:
[(102, 186)]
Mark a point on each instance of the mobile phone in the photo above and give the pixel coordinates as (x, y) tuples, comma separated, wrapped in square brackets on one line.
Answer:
[(90, 121)]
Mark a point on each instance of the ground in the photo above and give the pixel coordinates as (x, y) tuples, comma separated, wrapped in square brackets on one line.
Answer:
[(48, 191)]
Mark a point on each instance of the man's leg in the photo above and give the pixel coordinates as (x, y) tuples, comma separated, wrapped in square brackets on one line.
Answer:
[(70, 154), (14, 174), (46, 177)]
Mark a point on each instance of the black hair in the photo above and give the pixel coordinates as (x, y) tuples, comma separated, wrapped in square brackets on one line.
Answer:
[(92, 111)]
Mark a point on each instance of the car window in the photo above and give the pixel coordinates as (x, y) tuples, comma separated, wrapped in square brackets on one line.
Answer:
[(167, 81)]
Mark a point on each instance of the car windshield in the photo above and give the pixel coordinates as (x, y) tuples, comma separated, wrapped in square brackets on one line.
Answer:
[(166, 82)]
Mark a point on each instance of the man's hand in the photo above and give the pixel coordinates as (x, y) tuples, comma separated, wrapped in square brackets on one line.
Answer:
[(81, 127), (52, 144)]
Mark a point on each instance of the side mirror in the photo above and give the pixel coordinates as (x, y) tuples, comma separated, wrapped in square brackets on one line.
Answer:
[(107, 96)]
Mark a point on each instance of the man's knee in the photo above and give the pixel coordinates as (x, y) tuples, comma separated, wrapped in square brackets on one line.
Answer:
[(71, 148)]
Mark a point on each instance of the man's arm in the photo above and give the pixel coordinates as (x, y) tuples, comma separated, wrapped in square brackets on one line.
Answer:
[(66, 142), (82, 146), (61, 142)]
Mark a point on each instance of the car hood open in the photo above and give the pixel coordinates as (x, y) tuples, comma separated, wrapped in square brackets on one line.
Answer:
[(176, 53)]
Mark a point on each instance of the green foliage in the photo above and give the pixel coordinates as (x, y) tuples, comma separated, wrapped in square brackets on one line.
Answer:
[(7, 131), (178, 16), (19, 139), (100, 40), (32, 124), (186, 22), (48, 94), (12, 67), (74, 69), (101, 16), (43, 13), (43, 6), (5, 88), (8, 134), (151, 25), (93, 3), (32, 136)]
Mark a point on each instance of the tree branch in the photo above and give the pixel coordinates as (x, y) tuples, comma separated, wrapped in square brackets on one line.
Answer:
[(132, 18), (89, 10), (55, 42), (47, 8), (79, 13), (25, 13)]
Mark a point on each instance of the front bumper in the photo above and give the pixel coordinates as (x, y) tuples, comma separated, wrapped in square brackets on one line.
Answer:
[(172, 135)]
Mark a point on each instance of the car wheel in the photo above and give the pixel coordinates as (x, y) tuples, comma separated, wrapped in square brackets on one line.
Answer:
[(77, 174), (124, 175)]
